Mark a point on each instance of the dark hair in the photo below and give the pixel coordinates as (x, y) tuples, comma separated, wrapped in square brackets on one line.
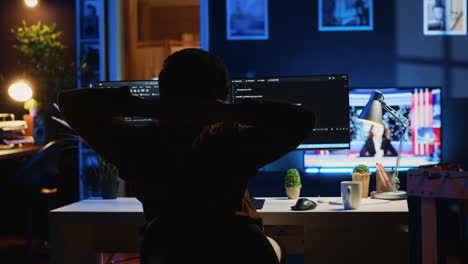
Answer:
[(193, 73)]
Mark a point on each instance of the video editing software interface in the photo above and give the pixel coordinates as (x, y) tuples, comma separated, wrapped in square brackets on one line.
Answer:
[(144, 89), (328, 95)]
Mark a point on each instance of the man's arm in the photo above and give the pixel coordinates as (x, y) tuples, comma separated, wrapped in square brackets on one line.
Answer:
[(277, 128), (93, 113), (269, 129), (257, 132)]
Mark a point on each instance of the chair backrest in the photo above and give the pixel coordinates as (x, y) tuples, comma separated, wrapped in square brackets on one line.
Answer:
[(43, 168)]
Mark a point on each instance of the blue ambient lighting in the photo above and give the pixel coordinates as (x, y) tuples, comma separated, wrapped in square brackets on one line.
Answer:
[(312, 170), (345, 170)]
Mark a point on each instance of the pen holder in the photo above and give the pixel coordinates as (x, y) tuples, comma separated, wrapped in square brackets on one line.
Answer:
[(364, 179), (384, 183)]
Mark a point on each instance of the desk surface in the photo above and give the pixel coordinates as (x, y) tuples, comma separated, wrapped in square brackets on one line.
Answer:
[(272, 205), (81, 229), (19, 151)]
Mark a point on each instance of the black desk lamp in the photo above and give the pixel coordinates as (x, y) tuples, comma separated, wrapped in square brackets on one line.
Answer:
[(372, 114)]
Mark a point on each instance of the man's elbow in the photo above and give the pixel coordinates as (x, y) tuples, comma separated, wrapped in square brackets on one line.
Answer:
[(63, 99), (309, 121)]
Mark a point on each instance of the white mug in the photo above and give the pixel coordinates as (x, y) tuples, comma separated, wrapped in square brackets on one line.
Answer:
[(351, 194)]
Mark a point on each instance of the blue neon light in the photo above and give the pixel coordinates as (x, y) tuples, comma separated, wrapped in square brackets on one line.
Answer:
[(336, 170), (345, 169), (312, 170)]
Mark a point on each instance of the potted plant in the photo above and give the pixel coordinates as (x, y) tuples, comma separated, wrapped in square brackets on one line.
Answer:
[(46, 65), (361, 173), (293, 184), (109, 179)]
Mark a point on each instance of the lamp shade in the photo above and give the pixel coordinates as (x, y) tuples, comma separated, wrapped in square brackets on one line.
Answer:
[(372, 112)]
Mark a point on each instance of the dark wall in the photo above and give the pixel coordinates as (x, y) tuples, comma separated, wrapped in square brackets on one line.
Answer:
[(296, 47), (395, 53), (60, 12)]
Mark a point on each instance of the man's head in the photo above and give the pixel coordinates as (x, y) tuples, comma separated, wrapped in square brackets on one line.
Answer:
[(193, 73)]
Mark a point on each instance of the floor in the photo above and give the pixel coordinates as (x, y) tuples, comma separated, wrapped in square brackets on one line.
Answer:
[(13, 250)]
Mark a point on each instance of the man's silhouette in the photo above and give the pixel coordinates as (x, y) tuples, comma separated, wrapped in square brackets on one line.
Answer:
[(191, 167)]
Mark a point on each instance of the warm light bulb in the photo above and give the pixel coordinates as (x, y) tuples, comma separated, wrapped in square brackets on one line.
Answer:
[(20, 91), (31, 3)]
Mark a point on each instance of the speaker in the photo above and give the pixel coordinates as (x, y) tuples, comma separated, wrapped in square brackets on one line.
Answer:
[(39, 131)]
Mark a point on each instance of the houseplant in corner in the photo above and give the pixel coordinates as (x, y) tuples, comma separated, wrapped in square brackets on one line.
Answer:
[(361, 173), (293, 184)]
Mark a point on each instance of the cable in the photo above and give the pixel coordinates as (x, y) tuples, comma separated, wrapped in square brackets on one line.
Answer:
[(123, 260), (110, 258)]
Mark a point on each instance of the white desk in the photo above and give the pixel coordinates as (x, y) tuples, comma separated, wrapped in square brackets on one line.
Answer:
[(328, 234)]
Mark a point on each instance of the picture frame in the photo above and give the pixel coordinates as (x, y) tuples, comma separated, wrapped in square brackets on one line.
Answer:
[(346, 15), (447, 17), (247, 20)]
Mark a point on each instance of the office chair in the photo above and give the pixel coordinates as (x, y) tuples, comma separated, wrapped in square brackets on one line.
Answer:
[(35, 187)]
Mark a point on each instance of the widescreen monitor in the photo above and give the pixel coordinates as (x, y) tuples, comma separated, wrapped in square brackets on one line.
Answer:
[(422, 141), (148, 89), (325, 94)]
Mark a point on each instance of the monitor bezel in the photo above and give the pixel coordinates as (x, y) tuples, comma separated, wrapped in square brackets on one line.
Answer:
[(122, 81)]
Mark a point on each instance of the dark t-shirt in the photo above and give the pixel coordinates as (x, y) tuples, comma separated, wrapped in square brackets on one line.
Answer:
[(179, 170)]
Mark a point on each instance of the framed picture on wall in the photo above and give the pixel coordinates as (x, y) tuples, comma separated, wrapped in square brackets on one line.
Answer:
[(89, 19), (246, 19), (444, 17), (344, 15)]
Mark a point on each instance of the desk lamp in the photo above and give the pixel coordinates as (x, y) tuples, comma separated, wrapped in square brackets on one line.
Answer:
[(372, 114), (21, 91)]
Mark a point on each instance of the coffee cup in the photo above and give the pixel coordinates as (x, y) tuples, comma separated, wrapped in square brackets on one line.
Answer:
[(351, 192)]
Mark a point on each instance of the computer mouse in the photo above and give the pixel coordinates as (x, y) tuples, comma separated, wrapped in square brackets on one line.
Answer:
[(303, 204)]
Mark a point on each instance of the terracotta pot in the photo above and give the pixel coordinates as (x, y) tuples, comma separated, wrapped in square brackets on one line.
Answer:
[(293, 192)]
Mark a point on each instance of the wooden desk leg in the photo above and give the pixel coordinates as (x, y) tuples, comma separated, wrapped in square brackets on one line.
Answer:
[(70, 247), (429, 230), (56, 241)]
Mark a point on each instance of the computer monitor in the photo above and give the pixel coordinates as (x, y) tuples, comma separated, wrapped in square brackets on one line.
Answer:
[(148, 89), (422, 142), (325, 94)]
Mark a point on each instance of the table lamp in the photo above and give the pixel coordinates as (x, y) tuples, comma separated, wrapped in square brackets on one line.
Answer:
[(372, 114)]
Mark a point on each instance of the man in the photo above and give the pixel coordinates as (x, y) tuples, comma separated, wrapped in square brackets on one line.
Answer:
[(191, 167)]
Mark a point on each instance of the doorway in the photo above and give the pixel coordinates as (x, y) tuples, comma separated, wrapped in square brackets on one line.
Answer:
[(153, 30)]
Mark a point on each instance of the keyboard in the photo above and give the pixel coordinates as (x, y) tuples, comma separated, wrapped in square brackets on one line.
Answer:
[(258, 203)]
